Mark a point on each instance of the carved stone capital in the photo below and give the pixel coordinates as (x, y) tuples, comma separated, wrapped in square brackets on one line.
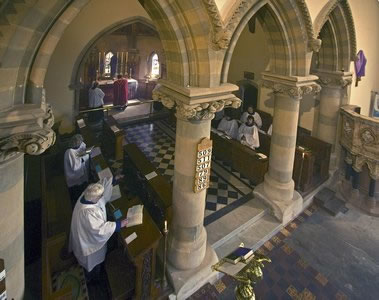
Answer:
[(334, 79), (26, 129), (203, 107), (292, 88), (314, 45)]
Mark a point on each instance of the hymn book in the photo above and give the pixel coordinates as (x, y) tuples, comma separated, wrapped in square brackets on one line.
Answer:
[(135, 215)]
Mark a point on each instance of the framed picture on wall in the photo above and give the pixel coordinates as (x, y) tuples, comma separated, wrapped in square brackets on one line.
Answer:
[(374, 105)]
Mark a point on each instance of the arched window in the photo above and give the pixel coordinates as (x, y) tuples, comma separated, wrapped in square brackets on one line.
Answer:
[(155, 65), (107, 63)]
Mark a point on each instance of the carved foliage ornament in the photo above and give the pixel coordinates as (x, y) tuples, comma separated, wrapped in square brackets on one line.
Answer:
[(292, 91), (34, 142), (201, 111), (335, 81)]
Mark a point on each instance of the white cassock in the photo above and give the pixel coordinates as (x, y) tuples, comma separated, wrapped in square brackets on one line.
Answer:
[(256, 116), (229, 127), (95, 97), (75, 167), (90, 230), (251, 135)]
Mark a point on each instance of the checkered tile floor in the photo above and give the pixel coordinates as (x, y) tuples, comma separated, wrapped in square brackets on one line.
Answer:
[(225, 165), (159, 147)]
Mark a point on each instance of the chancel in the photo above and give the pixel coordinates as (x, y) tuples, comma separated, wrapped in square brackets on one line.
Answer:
[(211, 149)]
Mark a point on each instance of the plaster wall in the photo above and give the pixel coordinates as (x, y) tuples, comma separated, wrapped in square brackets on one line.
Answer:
[(95, 17), (366, 18)]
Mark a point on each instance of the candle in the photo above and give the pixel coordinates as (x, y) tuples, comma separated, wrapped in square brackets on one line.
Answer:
[(165, 225)]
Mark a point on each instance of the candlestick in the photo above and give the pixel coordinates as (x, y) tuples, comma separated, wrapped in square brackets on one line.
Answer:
[(165, 225), (164, 279)]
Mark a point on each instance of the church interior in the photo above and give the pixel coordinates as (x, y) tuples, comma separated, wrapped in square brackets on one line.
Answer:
[(189, 149)]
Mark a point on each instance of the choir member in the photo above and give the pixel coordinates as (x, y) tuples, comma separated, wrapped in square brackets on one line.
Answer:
[(96, 96), (250, 112), (90, 229), (248, 133), (228, 125)]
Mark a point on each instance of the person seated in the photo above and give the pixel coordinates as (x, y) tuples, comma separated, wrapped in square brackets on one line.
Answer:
[(217, 119), (248, 134), (76, 167), (90, 229), (96, 100), (228, 125), (269, 131), (250, 112)]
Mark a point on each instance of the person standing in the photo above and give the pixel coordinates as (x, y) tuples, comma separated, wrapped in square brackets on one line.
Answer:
[(120, 92), (250, 112), (96, 100), (76, 167), (90, 229)]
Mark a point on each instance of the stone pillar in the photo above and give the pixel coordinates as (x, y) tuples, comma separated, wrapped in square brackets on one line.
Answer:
[(12, 224), (333, 88), (189, 255), (277, 190), (23, 129)]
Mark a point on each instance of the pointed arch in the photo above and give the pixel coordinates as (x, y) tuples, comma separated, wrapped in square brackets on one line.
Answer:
[(335, 27)]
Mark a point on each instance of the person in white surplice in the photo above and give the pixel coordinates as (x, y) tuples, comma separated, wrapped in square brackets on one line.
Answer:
[(228, 125), (90, 229), (250, 112), (248, 133), (76, 167)]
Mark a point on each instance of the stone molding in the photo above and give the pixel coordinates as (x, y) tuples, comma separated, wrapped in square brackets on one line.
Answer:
[(199, 106), (222, 31), (324, 15), (294, 87), (26, 129), (334, 79), (360, 139)]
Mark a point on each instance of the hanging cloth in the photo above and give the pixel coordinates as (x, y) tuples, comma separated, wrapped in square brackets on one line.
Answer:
[(360, 66)]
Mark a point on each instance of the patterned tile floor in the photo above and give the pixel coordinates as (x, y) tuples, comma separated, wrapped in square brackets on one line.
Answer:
[(159, 146), (289, 276)]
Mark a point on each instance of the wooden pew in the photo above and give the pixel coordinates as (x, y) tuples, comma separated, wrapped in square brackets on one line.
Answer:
[(113, 138), (141, 252), (88, 136), (56, 219), (156, 193), (240, 157)]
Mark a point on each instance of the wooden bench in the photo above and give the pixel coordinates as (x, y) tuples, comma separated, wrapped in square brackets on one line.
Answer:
[(156, 193), (113, 138), (56, 219)]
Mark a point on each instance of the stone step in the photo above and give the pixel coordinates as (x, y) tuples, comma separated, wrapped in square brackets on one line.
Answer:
[(232, 223), (328, 200), (253, 236)]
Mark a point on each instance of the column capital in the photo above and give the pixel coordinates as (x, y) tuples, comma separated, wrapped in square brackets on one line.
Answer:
[(338, 79), (26, 129), (193, 103), (292, 86)]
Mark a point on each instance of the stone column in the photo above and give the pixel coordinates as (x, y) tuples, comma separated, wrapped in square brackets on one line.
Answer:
[(277, 190), (23, 129), (331, 98), (189, 255)]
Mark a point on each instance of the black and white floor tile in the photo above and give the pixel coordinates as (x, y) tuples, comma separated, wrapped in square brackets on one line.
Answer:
[(157, 141)]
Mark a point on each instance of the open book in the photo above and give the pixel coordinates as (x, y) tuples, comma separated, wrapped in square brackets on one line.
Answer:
[(135, 215)]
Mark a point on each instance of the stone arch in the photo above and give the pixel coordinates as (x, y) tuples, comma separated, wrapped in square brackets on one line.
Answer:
[(335, 26), (290, 35)]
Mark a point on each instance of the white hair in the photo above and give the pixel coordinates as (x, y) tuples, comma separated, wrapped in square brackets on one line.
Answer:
[(94, 192)]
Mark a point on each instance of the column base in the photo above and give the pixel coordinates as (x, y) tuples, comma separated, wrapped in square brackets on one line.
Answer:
[(186, 282), (284, 210)]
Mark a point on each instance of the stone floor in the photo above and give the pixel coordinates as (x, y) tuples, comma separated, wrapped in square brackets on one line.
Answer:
[(316, 256)]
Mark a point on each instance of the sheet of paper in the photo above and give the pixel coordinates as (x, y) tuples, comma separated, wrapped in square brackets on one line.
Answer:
[(114, 128), (106, 173), (151, 175), (95, 152), (135, 215), (81, 123), (116, 193), (131, 238)]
